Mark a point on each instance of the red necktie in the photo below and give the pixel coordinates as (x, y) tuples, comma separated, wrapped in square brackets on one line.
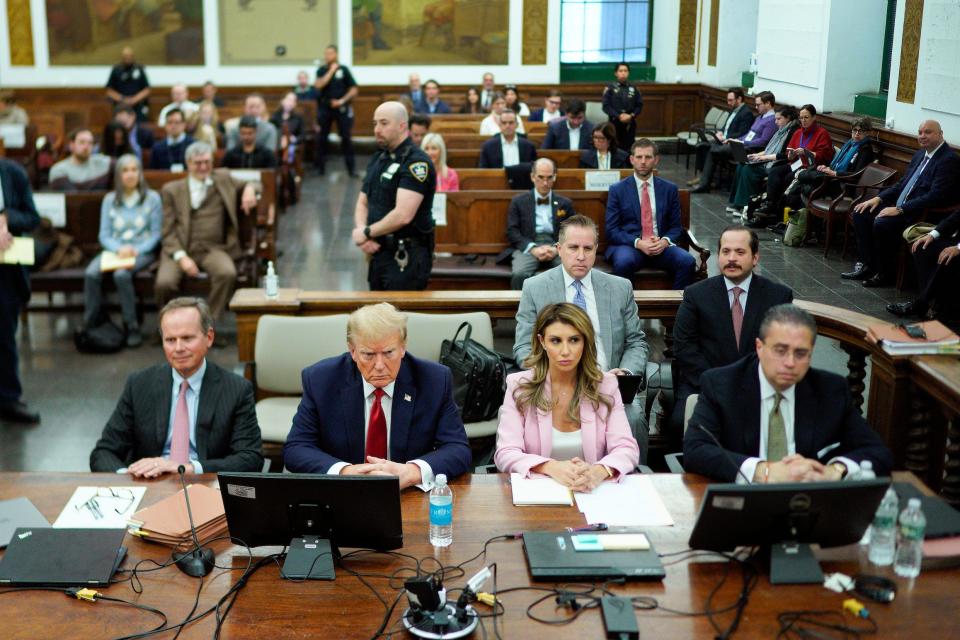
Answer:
[(180, 440), (377, 429), (737, 312), (646, 212)]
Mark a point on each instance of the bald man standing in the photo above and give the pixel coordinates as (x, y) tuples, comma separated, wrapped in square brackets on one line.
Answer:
[(393, 219), (929, 182)]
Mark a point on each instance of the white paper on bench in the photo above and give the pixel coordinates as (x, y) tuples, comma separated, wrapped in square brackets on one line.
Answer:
[(440, 209), (600, 180), (52, 206), (245, 175), (632, 502), (538, 491)]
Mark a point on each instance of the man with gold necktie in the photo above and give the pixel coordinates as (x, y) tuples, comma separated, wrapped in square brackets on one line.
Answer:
[(776, 418), (188, 411)]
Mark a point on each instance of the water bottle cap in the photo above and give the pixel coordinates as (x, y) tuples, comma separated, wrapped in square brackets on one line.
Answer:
[(913, 503), (441, 478)]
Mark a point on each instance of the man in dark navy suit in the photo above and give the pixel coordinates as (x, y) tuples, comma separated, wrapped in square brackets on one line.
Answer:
[(929, 182), (571, 132), (378, 410), (170, 153), (506, 149), (705, 337), (936, 255), (18, 216), (643, 221), (776, 418), (551, 108)]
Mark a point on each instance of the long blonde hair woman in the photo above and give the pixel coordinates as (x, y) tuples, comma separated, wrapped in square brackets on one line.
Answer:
[(436, 148), (563, 417)]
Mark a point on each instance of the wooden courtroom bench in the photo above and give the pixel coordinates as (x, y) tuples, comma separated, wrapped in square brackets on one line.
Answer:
[(470, 158), (496, 179), (477, 226)]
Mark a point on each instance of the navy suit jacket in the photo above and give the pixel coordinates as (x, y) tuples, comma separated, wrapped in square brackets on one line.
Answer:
[(729, 408), (740, 126), (558, 135), (330, 426), (703, 333), (936, 186), (163, 156), (623, 211), (441, 107), (491, 153), (620, 159), (22, 218), (537, 115)]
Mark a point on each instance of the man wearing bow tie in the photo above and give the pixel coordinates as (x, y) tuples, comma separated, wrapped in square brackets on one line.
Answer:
[(533, 224), (201, 228), (378, 410)]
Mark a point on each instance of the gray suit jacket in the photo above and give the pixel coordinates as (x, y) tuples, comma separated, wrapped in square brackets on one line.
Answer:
[(228, 434), (620, 332)]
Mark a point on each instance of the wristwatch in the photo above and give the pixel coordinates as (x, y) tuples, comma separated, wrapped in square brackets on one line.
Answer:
[(366, 232)]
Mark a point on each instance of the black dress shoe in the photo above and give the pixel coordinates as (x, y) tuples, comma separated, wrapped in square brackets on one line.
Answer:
[(905, 309), (878, 280), (759, 222), (860, 272), (701, 189), (19, 413)]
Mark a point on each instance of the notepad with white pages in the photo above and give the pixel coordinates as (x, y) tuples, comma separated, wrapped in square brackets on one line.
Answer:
[(539, 491)]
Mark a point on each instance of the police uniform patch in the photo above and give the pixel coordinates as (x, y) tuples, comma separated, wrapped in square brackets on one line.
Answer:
[(420, 170)]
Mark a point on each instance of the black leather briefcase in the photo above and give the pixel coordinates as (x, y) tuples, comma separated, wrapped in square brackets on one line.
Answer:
[(479, 376)]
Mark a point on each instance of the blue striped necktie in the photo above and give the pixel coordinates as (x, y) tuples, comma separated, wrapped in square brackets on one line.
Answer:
[(578, 298)]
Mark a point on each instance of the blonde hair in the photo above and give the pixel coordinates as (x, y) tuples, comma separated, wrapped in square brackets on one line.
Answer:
[(532, 392), (376, 321), (437, 140)]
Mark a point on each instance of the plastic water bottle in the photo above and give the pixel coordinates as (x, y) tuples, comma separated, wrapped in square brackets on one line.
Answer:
[(866, 473), (441, 512), (910, 548), (271, 282), (883, 534)]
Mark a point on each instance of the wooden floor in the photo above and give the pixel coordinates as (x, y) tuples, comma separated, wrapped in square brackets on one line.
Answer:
[(76, 393)]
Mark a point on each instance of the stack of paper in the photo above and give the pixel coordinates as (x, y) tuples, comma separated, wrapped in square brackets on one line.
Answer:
[(167, 522), (20, 252), (539, 491), (895, 340), (100, 508), (631, 502), (110, 261)]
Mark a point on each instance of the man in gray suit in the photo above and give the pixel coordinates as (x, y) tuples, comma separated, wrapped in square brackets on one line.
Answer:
[(607, 299), (189, 411)]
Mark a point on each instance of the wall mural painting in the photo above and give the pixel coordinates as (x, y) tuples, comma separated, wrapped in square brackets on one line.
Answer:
[(435, 32)]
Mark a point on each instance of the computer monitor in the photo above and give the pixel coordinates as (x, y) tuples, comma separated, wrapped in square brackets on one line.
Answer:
[(787, 517), (314, 515)]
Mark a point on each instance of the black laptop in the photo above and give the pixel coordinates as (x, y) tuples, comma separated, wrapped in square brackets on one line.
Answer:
[(739, 152), (62, 557), (552, 555)]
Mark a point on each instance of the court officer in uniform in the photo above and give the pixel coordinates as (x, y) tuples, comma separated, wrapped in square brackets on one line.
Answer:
[(622, 102), (393, 219), (336, 90)]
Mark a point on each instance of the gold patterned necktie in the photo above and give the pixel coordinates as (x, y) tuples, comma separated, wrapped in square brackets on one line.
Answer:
[(776, 433)]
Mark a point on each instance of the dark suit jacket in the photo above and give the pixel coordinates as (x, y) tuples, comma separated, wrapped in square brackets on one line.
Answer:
[(22, 218), (144, 136), (227, 434), (623, 211), (491, 153), (950, 225), (537, 115), (703, 333), (521, 218), (729, 408), (260, 158), (329, 426), (441, 107), (620, 159), (741, 124), (558, 135), (936, 186), (162, 156)]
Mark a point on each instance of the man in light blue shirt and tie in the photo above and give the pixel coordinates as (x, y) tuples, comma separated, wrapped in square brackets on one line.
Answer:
[(188, 412)]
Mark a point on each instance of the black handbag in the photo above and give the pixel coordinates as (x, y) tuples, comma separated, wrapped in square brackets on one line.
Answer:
[(479, 376), (106, 337)]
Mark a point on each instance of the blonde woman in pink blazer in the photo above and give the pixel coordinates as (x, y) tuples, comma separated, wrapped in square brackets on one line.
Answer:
[(563, 417)]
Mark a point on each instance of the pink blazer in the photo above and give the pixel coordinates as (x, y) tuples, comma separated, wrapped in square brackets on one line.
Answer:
[(452, 183), (525, 440)]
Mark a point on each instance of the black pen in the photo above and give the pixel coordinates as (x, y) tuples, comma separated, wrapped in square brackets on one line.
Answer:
[(590, 527)]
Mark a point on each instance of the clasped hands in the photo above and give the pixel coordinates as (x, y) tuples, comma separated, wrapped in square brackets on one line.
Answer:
[(408, 473), (366, 245), (795, 468), (544, 252), (652, 246), (574, 474)]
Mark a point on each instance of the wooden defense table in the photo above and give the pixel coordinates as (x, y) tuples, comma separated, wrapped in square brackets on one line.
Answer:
[(269, 607)]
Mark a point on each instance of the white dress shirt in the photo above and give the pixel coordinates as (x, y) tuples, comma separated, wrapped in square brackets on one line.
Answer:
[(591, 299), (198, 190), (574, 137), (511, 151), (787, 411), (745, 285), (550, 117), (386, 403), (187, 107)]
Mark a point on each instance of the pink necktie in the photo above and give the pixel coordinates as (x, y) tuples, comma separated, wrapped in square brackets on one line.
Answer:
[(646, 212), (377, 430), (737, 312), (180, 440)]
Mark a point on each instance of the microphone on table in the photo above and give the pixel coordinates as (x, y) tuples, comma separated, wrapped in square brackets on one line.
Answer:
[(197, 562), (725, 453)]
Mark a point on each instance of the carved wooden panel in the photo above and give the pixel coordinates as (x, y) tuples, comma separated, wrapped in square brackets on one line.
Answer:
[(910, 51), (535, 31), (20, 30), (714, 32), (687, 32)]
